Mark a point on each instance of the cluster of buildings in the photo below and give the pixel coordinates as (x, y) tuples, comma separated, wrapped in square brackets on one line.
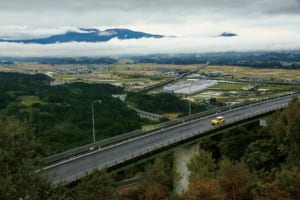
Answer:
[(80, 69)]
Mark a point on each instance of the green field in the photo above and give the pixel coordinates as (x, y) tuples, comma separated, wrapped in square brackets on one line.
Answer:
[(29, 100), (229, 86), (266, 73), (136, 76)]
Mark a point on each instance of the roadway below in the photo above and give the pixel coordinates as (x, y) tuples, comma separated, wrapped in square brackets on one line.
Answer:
[(74, 168)]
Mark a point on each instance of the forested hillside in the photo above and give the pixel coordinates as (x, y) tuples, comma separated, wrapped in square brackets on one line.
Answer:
[(163, 103), (61, 115)]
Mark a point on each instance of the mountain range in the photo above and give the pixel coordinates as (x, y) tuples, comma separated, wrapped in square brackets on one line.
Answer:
[(226, 34), (88, 35), (95, 35)]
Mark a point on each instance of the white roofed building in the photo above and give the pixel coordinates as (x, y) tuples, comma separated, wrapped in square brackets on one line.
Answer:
[(189, 86)]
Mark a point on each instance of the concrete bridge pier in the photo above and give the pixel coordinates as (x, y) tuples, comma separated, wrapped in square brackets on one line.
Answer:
[(182, 156)]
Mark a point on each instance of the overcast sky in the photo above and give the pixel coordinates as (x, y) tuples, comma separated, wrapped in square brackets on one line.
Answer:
[(260, 24)]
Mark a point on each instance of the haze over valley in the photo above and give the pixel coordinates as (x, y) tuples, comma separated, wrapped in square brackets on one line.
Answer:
[(150, 100)]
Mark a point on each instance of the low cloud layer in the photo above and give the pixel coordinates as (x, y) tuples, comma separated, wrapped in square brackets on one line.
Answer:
[(260, 24), (201, 44)]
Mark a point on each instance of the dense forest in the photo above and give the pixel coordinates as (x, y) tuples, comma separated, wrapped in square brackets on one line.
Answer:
[(61, 115), (163, 103)]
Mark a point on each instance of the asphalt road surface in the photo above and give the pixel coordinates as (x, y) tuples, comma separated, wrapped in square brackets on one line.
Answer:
[(73, 168)]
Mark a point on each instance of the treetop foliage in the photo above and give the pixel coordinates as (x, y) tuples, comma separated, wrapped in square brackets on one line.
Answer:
[(61, 116)]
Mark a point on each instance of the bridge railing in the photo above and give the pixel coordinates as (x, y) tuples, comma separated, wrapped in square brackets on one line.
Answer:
[(143, 132), (172, 142), (185, 137), (91, 147)]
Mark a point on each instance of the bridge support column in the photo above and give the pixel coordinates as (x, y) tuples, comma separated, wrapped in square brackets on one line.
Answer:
[(182, 156)]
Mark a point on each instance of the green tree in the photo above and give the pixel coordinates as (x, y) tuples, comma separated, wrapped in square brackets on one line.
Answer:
[(98, 185), (280, 184), (288, 180), (261, 155), (203, 183), (285, 131), (234, 142), (19, 163), (210, 181), (162, 103), (201, 166), (157, 180), (208, 189), (235, 179)]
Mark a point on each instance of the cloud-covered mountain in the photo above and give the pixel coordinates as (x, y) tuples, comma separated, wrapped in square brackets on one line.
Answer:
[(226, 34), (88, 35)]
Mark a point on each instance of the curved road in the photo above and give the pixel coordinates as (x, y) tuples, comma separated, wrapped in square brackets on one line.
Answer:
[(77, 167)]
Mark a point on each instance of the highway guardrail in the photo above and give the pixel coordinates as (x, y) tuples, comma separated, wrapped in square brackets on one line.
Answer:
[(142, 132)]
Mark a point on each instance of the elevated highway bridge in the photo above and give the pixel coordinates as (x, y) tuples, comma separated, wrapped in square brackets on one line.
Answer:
[(73, 168)]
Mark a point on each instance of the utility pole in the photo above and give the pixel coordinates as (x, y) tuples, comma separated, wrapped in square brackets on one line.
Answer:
[(190, 99), (93, 119)]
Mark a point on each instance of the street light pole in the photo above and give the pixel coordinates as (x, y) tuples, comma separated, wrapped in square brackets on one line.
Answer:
[(94, 136), (190, 99)]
